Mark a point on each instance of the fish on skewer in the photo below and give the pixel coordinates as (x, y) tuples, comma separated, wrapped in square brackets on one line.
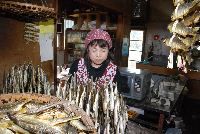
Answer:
[(196, 17), (46, 106), (58, 90), (116, 109), (77, 97), (29, 24), (178, 1), (88, 105), (56, 121), (82, 99), (31, 35), (67, 128), (31, 32), (121, 126), (30, 39), (175, 43), (32, 28), (15, 107), (30, 122), (183, 9), (189, 20), (106, 99), (188, 41), (181, 29), (6, 125), (111, 99), (78, 124)]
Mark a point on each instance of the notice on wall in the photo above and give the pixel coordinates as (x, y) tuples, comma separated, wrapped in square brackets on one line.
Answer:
[(125, 46), (46, 27), (46, 47)]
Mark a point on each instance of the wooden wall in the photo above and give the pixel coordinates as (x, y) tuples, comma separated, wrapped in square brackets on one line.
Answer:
[(14, 50)]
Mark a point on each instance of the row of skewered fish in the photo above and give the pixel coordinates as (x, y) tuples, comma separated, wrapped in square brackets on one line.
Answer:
[(185, 35), (102, 103), (25, 78), (31, 33), (27, 113)]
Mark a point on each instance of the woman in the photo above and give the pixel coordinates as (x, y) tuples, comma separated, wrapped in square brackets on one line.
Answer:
[(97, 61)]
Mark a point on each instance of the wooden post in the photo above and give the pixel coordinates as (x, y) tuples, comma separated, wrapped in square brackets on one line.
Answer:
[(107, 21), (98, 20), (80, 21), (62, 39), (160, 124), (119, 40), (55, 47)]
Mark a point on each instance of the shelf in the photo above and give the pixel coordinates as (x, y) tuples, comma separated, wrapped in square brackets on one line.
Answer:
[(78, 30), (74, 49), (89, 30), (74, 55), (76, 15), (79, 37), (78, 49), (69, 61), (75, 43)]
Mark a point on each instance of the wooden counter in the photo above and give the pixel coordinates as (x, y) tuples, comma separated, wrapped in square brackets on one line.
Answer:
[(168, 71)]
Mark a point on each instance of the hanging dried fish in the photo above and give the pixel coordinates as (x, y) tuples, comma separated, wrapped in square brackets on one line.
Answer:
[(175, 43), (183, 9), (32, 28), (181, 29), (189, 20), (178, 1), (188, 41), (29, 24), (31, 33), (196, 17), (30, 40)]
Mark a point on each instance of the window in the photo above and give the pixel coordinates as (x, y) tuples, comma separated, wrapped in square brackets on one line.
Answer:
[(67, 24), (135, 48)]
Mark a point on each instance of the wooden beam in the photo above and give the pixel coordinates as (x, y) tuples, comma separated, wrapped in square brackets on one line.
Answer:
[(119, 40)]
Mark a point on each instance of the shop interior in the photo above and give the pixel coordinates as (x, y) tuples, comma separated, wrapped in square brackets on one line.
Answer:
[(57, 39)]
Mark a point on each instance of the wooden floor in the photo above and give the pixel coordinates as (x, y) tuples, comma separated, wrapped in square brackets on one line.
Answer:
[(135, 128)]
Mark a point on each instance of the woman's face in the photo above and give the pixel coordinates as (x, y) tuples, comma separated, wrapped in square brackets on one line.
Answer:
[(98, 55)]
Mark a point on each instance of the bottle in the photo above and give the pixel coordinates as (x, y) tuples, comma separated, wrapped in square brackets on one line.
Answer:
[(172, 124), (144, 62)]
